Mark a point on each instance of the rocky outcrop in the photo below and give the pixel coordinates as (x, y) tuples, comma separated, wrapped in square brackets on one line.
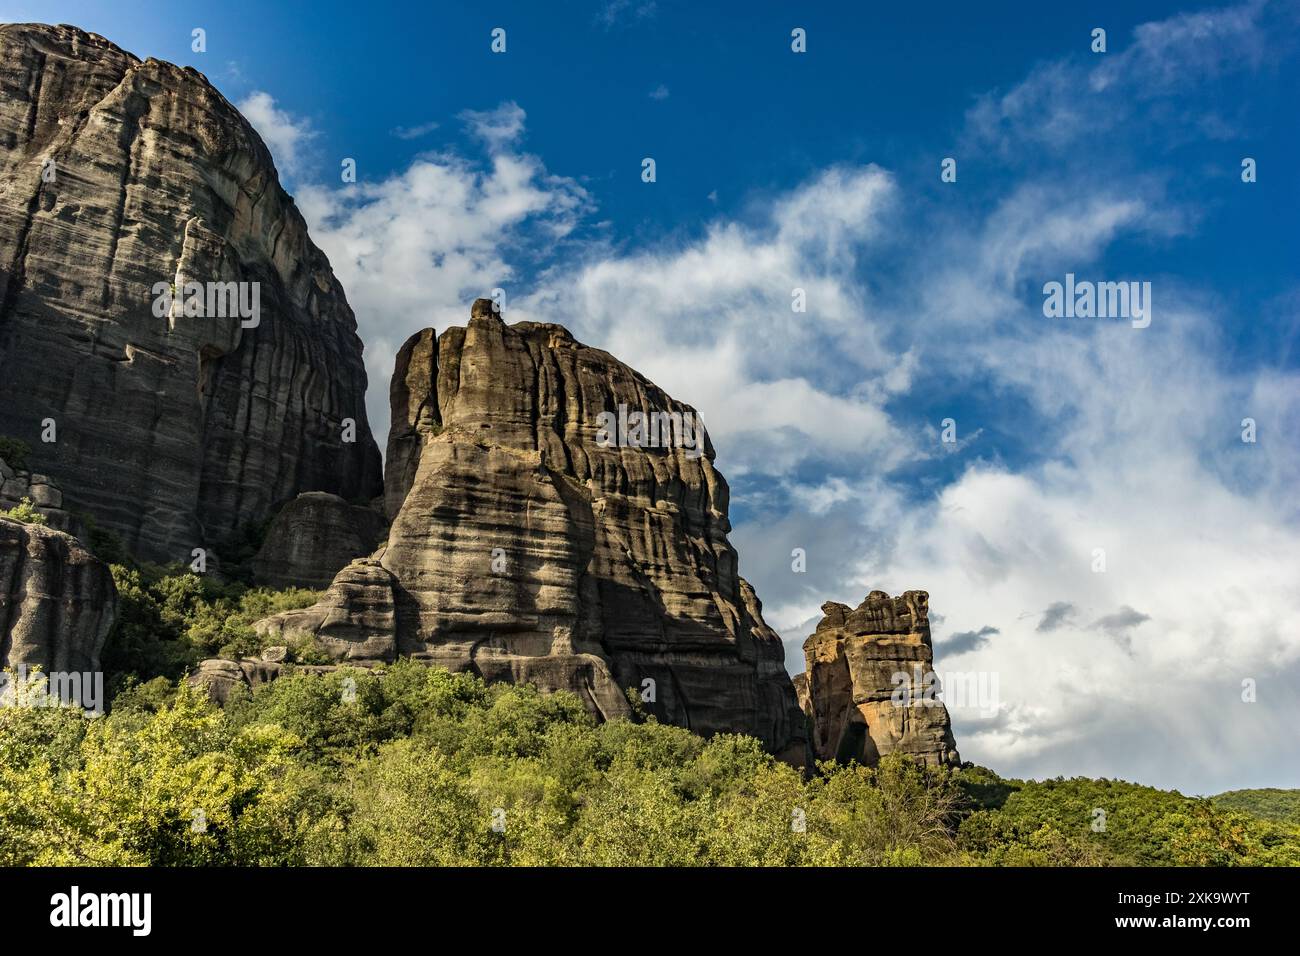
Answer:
[(529, 545), (314, 537), (870, 687), (175, 428), (57, 600), (219, 677), (354, 620)]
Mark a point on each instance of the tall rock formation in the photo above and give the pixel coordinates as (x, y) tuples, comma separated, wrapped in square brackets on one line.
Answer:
[(173, 430), (870, 688), (528, 545)]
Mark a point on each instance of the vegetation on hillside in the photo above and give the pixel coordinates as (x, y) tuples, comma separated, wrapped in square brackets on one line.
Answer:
[(417, 766), (422, 767), (169, 619), (1282, 806)]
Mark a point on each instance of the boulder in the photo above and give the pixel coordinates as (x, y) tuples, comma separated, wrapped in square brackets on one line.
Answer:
[(355, 619), (219, 676), (44, 496)]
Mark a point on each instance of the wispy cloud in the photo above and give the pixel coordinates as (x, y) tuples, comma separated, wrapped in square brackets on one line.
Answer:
[(624, 12), (414, 132)]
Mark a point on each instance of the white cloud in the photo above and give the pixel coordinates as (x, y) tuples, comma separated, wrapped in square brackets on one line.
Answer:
[(498, 128), (285, 136), (1129, 435), (615, 12), (414, 132), (415, 249)]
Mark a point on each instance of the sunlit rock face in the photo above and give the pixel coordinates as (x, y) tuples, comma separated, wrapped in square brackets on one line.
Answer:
[(528, 544), (868, 690), (175, 428)]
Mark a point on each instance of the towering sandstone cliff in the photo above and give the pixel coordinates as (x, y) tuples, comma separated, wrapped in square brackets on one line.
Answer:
[(524, 547), (173, 431), (870, 688)]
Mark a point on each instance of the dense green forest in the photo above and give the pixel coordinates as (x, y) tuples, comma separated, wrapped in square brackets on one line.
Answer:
[(419, 766), (1268, 804)]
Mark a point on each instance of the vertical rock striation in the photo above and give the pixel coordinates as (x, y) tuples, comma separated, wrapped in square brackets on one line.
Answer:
[(314, 537), (869, 689), (524, 550), (173, 431)]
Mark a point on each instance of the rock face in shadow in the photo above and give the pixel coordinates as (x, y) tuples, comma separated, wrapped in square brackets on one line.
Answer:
[(314, 537), (869, 689), (57, 600), (44, 496), (174, 430), (526, 545)]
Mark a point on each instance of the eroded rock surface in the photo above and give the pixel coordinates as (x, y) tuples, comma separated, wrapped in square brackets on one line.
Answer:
[(314, 537), (354, 620), (868, 689), (57, 600), (44, 496), (173, 431), (523, 550)]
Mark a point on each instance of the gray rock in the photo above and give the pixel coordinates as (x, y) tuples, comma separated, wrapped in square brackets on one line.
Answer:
[(219, 677), (522, 550), (45, 495), (174, 432), (57, 600), (313, 538), (45, 498), (354, 620)]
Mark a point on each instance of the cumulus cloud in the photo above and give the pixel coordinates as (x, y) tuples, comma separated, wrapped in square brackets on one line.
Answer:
[(414, 249), (285, 136), (1075, 437)]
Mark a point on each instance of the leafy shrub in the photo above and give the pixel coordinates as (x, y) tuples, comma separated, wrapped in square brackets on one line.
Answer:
[(25, 513), (413, 765), (169, 619)]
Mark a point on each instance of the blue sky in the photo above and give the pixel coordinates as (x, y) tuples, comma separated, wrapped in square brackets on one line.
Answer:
[(820, 171)]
